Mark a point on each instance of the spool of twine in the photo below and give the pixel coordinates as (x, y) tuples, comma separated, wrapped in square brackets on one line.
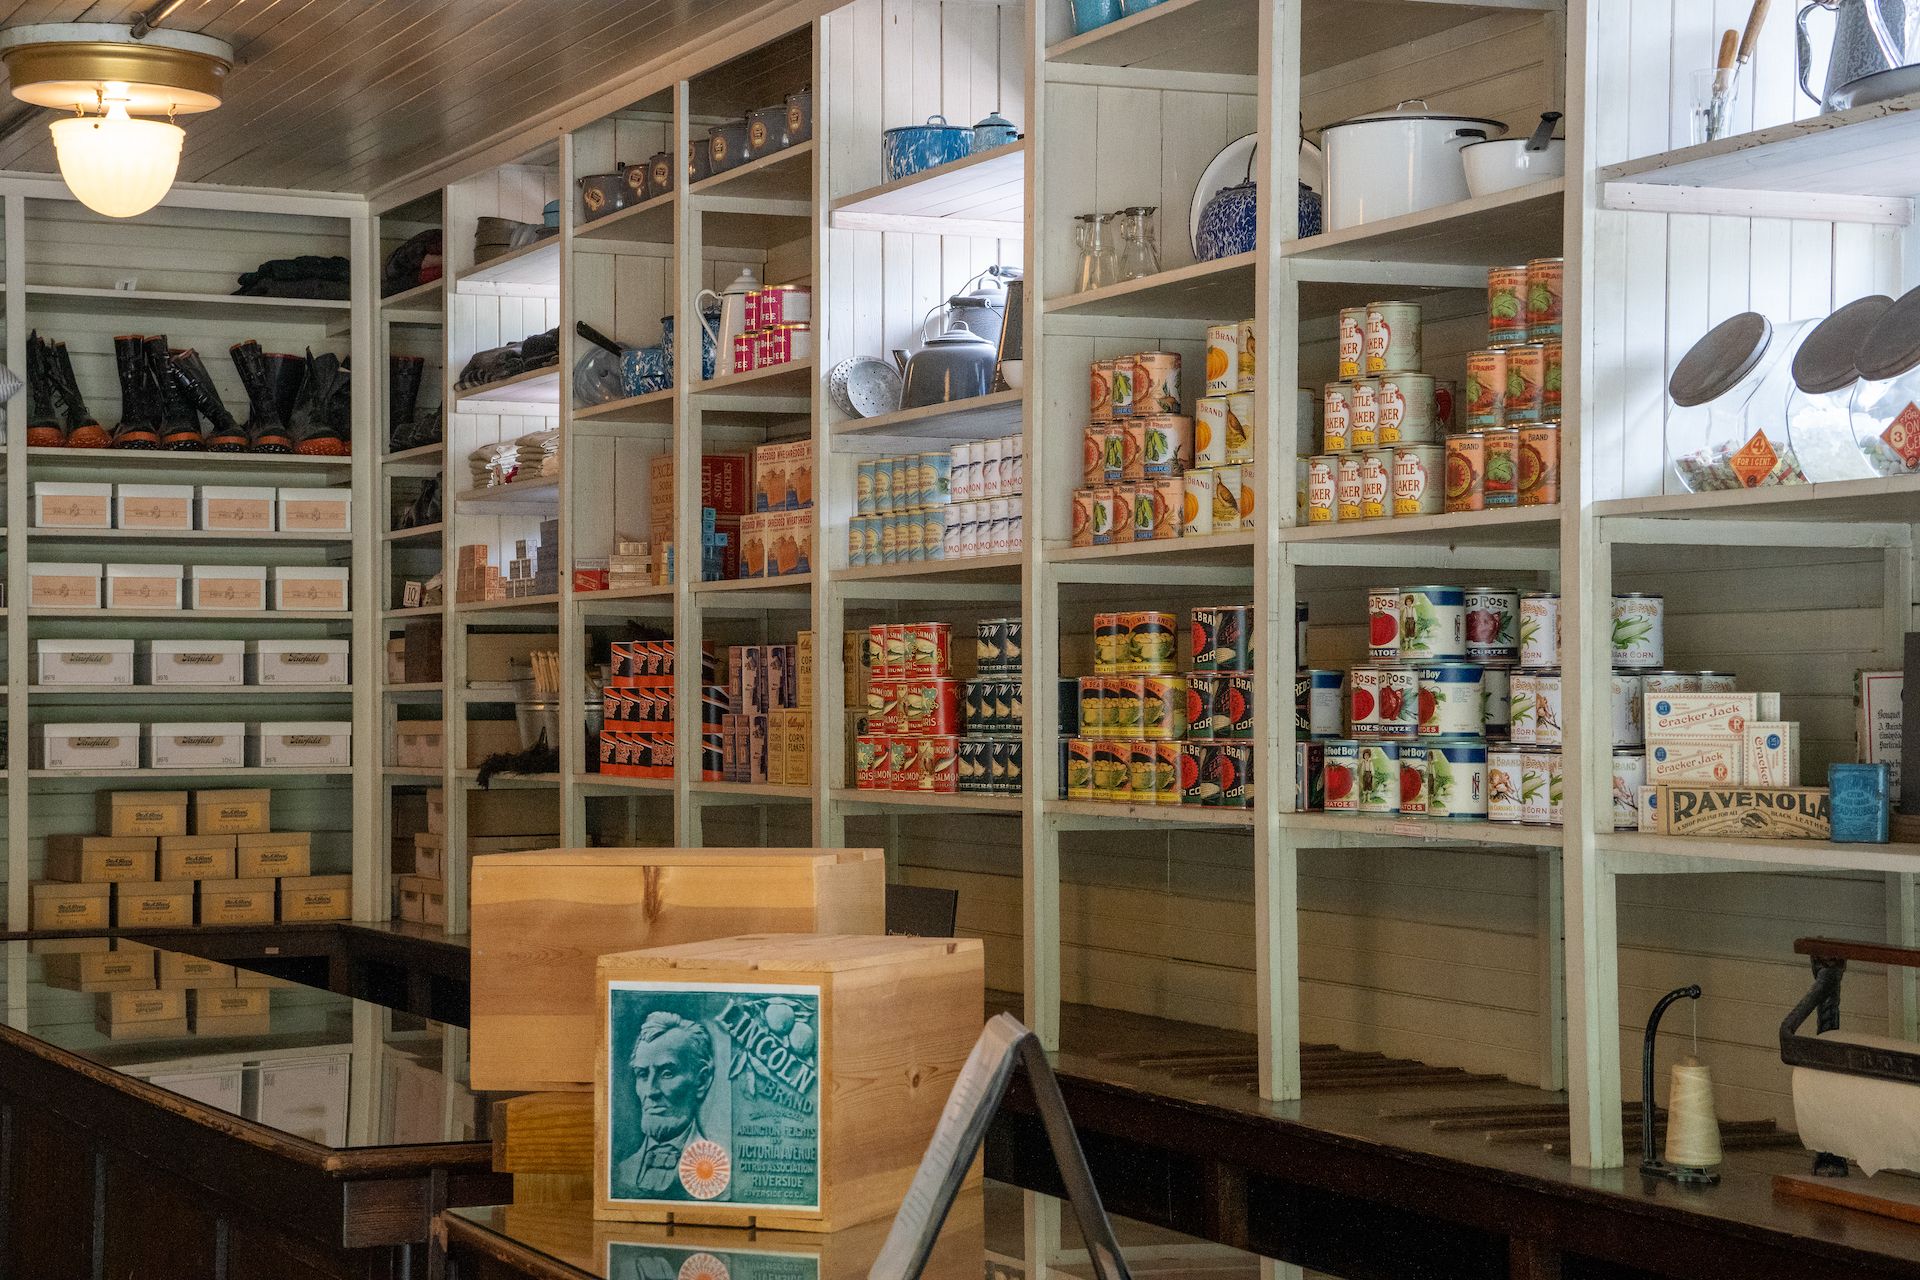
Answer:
[(1693, 1131)]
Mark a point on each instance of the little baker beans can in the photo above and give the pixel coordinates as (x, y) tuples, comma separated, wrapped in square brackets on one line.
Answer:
[(1413, 779), (1379, 781), (1223, 359), (1449, 700), (1432, 622), (1662, 683), (1457, 778), (1496, 700), (1397, 708), (1363, 428), (1629, 775), (1383, 624), (1547, 703), (1639, 629), (1347, 487), (1522, 688), (1393, 337), (1352, 330), (1406, 409), (1376, 481), (1322, 489), (1363, 699), (1336, 417), (1539, 629), (1505, 769), (1626, 694), (1418, 484)]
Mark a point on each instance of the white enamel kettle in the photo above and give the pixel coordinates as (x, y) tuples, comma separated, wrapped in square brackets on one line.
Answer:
[(733, 314)]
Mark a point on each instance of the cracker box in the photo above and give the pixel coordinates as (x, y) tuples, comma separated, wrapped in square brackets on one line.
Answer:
[(141, 813), (232, 1011), (1718, 760), (1772, 753), (153, 904)]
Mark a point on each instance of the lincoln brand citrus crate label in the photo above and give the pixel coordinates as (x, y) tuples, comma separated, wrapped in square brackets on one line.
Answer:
[(713, 1094), (667, 1262)]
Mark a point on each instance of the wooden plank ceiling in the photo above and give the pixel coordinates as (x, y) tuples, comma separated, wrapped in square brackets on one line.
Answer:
[(350, 95)]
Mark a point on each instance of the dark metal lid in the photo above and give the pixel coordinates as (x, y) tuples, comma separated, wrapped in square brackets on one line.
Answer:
[(1892, 346), (1716, 363), (1826, 358)]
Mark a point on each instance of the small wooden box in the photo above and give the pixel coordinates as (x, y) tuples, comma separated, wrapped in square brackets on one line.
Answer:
[(96, 858), (316, 898), (196, 857), (143, 1015), (72, 906), (142, 813), (539, 921), (273, 853), (231, 1011), (238, 812), (153, 904), (186, 972), (128, 968), (813, 1071), (249, 901)]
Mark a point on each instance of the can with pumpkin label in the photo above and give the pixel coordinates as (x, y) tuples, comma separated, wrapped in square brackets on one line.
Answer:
[(1223, 359), (1210, 431), (1196, 502)]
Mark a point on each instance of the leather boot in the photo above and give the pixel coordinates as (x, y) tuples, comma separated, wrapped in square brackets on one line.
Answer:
[(83, 429), (284, 375), (265, 428), (404, 374), (196, 384), (179, 424), (317, 412), (43, 420), (139, 425)]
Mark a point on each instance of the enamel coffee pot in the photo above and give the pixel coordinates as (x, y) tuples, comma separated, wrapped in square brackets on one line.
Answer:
[(733, 309)]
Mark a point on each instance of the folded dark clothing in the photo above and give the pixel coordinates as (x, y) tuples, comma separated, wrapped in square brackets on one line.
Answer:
[(403, 269), (308, 266), (541, 347), (338, 290)]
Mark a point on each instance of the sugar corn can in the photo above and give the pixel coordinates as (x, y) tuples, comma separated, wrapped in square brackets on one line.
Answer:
[(1626, 689), (1133, 450), (1203, 689), (1536, 777), (1545, 277), (1248, 364), (1496, 701), (1383, 624), (1352, 342), (1526, 383), (1466, 472), (1506, 305), (1340, 770), (1486, 392), (1210, 431), (1347, 487), (1169, 506), (1156, 382), (1376, 484), (1322, 483), (1432, 622), (1639, 629), (1539, 465), (1449, 700), (1457, 778), (1123, 376), (1126, 696), (1336, 417), (1665, 682), (1523, 704), (1378, 784), (1406, 409), (1363, 425), (1240, 427), (1419, 480), (1226, 499), (1540, 629), (1413, 779), (1556, 781), (1500, 476), (1550, 383), (1223, 359), (1629, 775), (1506, 768), (1326, 690), (1199, 773), (1548, 718), (1100, 390), (1393, 337), (1196, 501), (1166, 446)]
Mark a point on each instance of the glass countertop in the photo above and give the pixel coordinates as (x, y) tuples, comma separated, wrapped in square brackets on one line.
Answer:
[(337, 1071), (1017, 1234)]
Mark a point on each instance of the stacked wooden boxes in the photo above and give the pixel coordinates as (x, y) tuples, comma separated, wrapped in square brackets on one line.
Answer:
[(497, 822)]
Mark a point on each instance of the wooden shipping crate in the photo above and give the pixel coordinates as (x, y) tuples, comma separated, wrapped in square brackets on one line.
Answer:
[(775, 1081), (545, 1140), (539, 921)]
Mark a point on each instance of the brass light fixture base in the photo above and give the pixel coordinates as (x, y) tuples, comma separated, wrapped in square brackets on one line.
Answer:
[(66, 64)]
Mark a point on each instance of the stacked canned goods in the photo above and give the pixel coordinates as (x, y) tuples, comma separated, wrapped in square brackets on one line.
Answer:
[(1382, 423), (951, 504), (1639, 658), (1507, 452), (779, 328), (1148, 734), (911, 735), (1151, 472)]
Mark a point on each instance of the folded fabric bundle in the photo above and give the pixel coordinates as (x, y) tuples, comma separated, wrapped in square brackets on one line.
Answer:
[(413, 263), (495, 363), (306, 276)]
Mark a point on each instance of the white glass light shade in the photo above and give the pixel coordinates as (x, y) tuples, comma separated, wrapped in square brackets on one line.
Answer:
[(115, 164)]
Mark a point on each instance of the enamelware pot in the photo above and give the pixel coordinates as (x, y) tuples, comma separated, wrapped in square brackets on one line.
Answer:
[(659, 173), (908, 149), (727, 146), (699, 159), (800, 117), (1393, 162), (994, 131), (1505, 163), (605, 193), (1228, 222), (767, 130), (1091, 14)]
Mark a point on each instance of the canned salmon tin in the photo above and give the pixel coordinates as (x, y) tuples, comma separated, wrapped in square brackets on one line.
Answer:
[(1249, 351), (1662, 683), (1376, 483), (1716, 681), (1222, 637), (1536, 778), (1347, 487), (1540, 629), (1223, 359), (1322, 483), (1233, 762), (1457, 778), (1352, 332), (1210, 431), (1336, 417), (1418, 480), (1500, 479), (1406, 409), (1486, 392), (1079, 772), (1397, 706), (1363, 415), (1493, 623), (1505, 769), (929, 648), (1163, 706), (1629, 775), (1522, 704), (1196, 501), (1413, 780), (1433, 622), (1526, 383), (941, 770), (873, 650), (1240, 427), (899, 645), (1506, 305), (1226, 498), (1448, 702), (1639, 629), (1169, 506), (1378, 783), (903, 764), (1393, 337), (1550, 400), (1548, 721), (1151, 647), (1545, 277), (1100, 390), (1166, 445), (1539, 465), (1325, 702), (1112, 770), (1199, 773), (870, 762), (1383, 623), (1496, 701), (1156, 382), (1466, 473), (1340, 772)]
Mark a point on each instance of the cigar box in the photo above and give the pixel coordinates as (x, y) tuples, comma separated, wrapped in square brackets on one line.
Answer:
[(539, 920), (100, 858), (818, 1126)]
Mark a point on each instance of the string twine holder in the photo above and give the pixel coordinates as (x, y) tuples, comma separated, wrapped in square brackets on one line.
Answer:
[(1693, 1151)]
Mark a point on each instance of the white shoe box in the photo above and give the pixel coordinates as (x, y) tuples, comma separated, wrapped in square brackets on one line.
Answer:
[(301, 742), (210, 745), (83, 662), (194, 662), (297, 661)]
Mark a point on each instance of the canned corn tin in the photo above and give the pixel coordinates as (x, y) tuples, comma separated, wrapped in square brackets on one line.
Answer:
[(1142, 782), (1223, 359), (1662, 683), (1383, 624), (1340, 771), (1196, 501), (1166, 445), (1526, 382), (1500, 477), (1199, 773), (1363, 415), (1540, 629), (1347, 487), (1406, 409), (1112, 770), (1393, 337), (1449, 700), (1322, 482), (1376, 483), (1379, 778), (1163, 708), (1413, 779), (1466, 473), (1249, 350), (1221, 637), (1716, 681), (1536, 779), (1100, 390), (1352, 330), (1433, 622), (1506, 769), (1486, 393), (1539, 465), (1639, 629), (1506, 305), (1545, 277), (1496, 701), (1626, 689), (1210, 431), (1336, 417), (1548, 723), (1457, 778), (1418, 479), (1493, 630), (1124, 705), (1555, 782), (1240, 427), (1521, 705), (1325, 702), (1629, 775)]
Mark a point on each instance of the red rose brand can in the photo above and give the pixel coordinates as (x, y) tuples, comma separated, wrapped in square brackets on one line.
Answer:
[(1222, 637), (1353, 342), (1383, 624), (1418, 483), (1340, 769), (1500, 478), (1169, 502), (1156, 382), (1347, 487), (1406, 409), (929, 648), (1506, 305), (1413, 779), (1363, 700), (1492, 624), (1363, 420), (1234, 761), (1376, 484), (1336, 417), (1466, 473), (1550, 384), (1526, 382), (1486, 388), (1545, 277), (1539, 458), (1100, 390), (1393, 337), (1397, 707), (1322, 481), (1163, 707)]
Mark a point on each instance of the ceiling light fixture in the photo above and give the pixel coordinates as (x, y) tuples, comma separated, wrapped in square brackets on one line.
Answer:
[(113, 162)]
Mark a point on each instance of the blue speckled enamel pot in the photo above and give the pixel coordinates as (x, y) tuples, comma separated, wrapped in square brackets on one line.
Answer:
[(1089, 14), (1310, 211), (907, 150), (1227, 223)]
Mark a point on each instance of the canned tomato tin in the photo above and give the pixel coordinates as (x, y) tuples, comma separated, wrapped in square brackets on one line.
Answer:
[(1163, 711), (1196, 501), (1716, 681), (1522, 703), (1397, 706), (1079, 772), (1550, 386), (1111, 644), (1383, 623), (1363, 415), (1526, 381), (1210, 431), (1539, 629), (1249, 350), (1500, 477), (1223, 359), (1393, 337), (1142, 782), (1539, 465), (929, 648), (1492, 623), (1486, 388), (1376, 482), (1322, 480), (1418, 482), (1112, 770), (1536, 777), (1406, 409), (1166, 444), (1347, 487), (1661, 683), (1505, 777), (1433, 622), (1548, 724), (1544, 280), (1506, 305), (1449, 700), (1457, 778), (1629, 775), (1226, 499), (1234, 763), (1169, 503), (1352, 342), (1625, 693), (1325, 702), (1100, 390), (1240, 427), (1123, 374), (1363, 699), (1222, 637), (1496, 701), (1199, 773), (1639, 629), (1340, 770), (1156, 382), (1466, 473), (1413, 779), (1336, 417), (1151, 648), (1378, 784)]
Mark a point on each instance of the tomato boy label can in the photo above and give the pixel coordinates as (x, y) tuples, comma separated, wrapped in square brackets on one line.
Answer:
[(1418, 485), (1506, 305), (1383, 623), (1376, 482), (1457, 778), (1378, 784), (1340, 770), (1393, 337), (1486, 388), (1397, 713), (1433, 622), (1505, 775), (1449, 700), (1413, 779), (1493, 624)]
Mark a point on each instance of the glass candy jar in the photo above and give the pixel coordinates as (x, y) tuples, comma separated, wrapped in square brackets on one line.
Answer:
[(1820, 405), (1886, 401), (1740, 373), (1139, 255), (1093, 235)]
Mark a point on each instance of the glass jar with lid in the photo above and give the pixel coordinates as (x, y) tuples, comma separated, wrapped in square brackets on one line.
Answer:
[(1820, 406), (1886, 400), (1740, 372)]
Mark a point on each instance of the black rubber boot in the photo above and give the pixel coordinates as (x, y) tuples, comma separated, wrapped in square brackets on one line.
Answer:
[(316, 413), (43, 419), (179, 424), (196, 384), (404, 374), (83, 429), (265, 430), (139, 425)]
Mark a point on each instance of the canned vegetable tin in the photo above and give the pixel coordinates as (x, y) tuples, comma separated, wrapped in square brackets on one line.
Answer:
[(1536, 777), (1716, 681), (1496, 701), (1210, 431), (1249, 351), (1457, 778), (1418, 480), (1548, 721), (1378, 784), (1156, 382), (1151, 641), (1142, 778), (1466, 473), (1413, 779), (1196, 500), (1363, 699), (1324, 702), (1550, 388), (1505, 772), (1539, 465), (1639, 629), (1223, 359), (1665, 682), (1234, 763), (1449, 700), (1352, 342), (1626, 689), (1169, 506), (1347, 487), (1526, 382), (1406, 409), (1393, 337), (1336, 417), (1079, 769), (1166, 445), (1629, 775), (1322, 482), (1521, 705), (1493, 623), (1486, 392), (1222, 637), (1433, 622), (1199, 773), (1540, 629), (1544, 280), (1500, 479), (1506, 305), (1397, 711), (1226, 498), (1240, 427), (1376, 483), (1555, 779), (1383, 623), (1340, 771)]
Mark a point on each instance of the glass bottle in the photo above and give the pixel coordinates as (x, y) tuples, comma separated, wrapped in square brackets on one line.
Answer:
[(1139, 254), (1094, 235)]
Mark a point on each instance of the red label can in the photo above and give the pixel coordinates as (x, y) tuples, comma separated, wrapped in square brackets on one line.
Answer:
[(942, 772), (929, 648), (1232, 764), (929, 705), (1199, 772), (742, 352)]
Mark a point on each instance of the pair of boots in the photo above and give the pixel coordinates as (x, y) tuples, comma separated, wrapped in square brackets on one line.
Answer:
[(407, 426), (56, 415), (294, 405), (163, 393)]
